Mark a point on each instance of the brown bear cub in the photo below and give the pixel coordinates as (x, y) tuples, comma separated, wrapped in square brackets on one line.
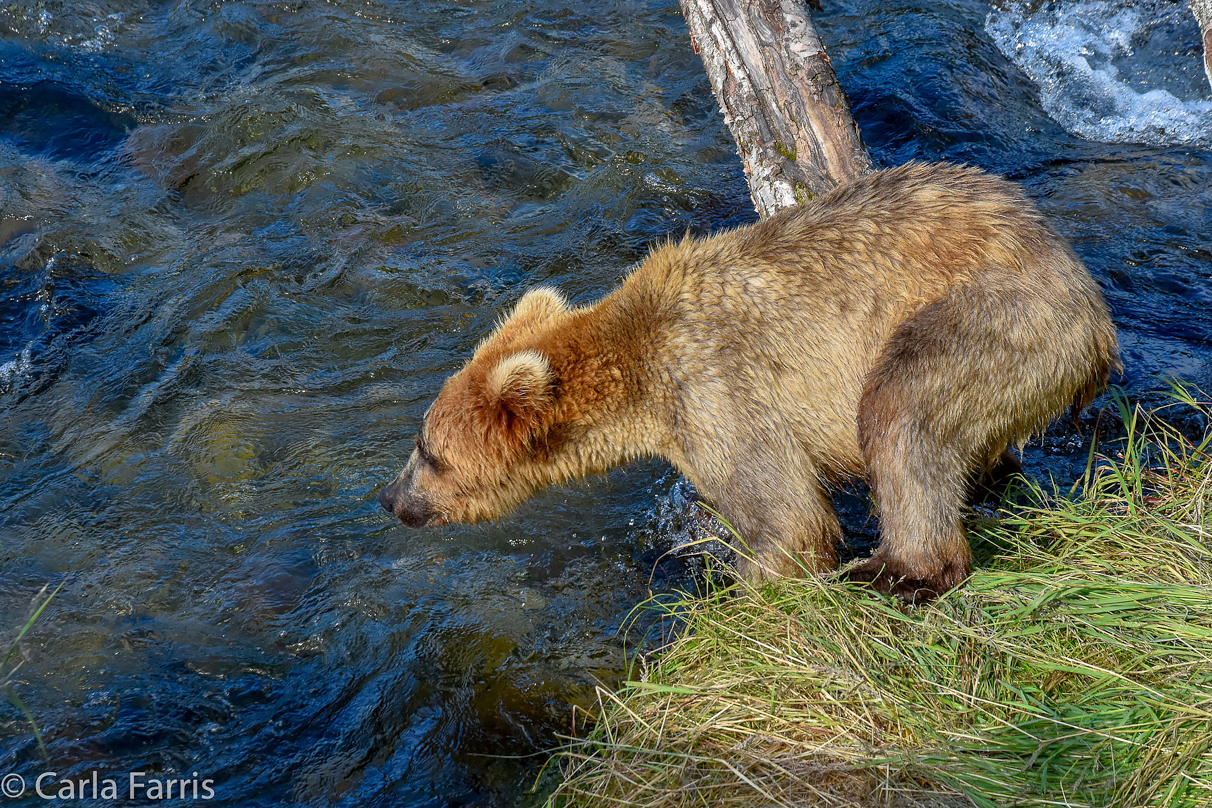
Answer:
[(906, 328)]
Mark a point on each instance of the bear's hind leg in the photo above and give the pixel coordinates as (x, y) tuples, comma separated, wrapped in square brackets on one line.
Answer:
[(920, 493), (970, 373), (996, 478)]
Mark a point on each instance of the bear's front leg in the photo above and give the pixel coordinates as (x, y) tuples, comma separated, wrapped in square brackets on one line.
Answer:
[(785, 521)]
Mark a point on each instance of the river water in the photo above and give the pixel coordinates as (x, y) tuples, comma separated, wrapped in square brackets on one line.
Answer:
[(243, 243)]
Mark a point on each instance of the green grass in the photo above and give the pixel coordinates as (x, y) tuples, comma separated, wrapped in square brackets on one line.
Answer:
[(1074, 668), (9, 667)]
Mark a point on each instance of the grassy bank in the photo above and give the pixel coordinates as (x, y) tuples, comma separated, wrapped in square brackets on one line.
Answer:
[(1074, 668)]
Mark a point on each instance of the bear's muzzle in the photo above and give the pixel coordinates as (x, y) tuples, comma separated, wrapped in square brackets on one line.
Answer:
[(410, 508)]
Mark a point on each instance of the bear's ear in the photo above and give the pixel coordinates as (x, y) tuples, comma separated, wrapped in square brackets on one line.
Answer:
[(519, 394), (539, 304), (534, 309)]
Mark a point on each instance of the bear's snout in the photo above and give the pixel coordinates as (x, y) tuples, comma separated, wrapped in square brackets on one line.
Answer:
[(406, 506), (387, 498)]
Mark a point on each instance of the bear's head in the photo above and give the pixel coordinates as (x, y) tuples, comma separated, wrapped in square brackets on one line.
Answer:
[(487, 443)]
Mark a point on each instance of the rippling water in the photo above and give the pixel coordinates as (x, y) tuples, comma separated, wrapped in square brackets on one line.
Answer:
[(241, 245), (1129, 70)]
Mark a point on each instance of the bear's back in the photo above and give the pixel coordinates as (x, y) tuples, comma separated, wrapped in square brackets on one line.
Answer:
[(782, 320)]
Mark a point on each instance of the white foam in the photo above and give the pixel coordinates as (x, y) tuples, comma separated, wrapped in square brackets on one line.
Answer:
[(1068, 49), (13, 371), (102, 36)]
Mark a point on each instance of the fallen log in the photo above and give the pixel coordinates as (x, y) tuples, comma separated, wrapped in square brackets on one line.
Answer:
[(1202, 9), (781, 98)]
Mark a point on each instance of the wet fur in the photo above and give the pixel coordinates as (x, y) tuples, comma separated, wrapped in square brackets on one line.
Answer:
[(906, 328)]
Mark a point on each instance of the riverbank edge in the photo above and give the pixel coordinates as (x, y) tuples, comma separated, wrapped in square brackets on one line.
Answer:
[(1073, 668)]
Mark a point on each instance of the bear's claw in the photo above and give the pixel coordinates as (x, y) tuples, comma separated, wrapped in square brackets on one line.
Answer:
[(881, 577)]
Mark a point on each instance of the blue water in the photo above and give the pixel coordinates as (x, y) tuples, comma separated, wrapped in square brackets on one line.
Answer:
[(241, 246)]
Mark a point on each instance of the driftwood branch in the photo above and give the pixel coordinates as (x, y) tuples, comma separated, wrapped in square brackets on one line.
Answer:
[(1202, 9), (780, 97)]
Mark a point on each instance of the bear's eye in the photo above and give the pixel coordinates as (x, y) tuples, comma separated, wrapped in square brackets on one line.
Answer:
[(429, 459)]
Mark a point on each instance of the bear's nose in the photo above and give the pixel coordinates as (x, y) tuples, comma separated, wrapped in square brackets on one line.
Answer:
[(387, 498)]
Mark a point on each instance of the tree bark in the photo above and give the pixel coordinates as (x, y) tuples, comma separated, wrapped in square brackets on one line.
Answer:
[(781, 99), (1202, 9)]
